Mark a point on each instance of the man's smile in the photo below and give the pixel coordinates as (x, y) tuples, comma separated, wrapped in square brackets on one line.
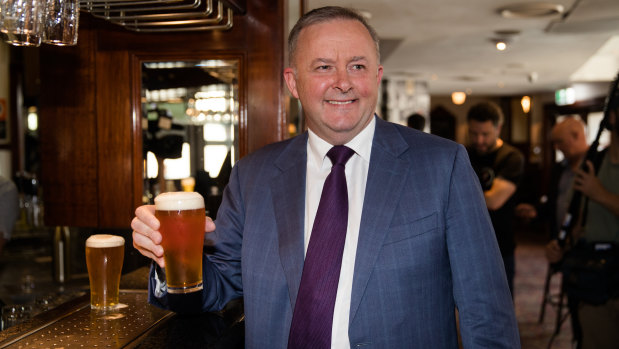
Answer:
[(341, 102)]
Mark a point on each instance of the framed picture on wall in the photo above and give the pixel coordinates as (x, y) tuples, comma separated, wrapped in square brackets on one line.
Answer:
[(4, 122)]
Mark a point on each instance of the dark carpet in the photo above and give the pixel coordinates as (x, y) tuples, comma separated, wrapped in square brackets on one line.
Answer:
[(531, 271)]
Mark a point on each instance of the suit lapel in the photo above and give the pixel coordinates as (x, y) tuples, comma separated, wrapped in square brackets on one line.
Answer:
[(386, 177), (288, 189)]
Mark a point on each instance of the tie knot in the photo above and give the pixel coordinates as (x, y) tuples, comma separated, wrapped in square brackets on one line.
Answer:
[(340, 154)]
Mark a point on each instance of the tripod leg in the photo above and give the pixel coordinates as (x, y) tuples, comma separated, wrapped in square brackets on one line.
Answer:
[(546, 296)]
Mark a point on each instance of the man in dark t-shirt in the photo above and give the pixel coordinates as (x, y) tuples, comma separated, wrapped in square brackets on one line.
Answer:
[(499, 167)]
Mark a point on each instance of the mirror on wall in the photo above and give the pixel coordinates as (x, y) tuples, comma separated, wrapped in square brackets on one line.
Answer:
[(190, 119)]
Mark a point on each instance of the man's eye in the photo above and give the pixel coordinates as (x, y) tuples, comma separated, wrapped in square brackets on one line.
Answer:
[(358, 66), (323, 67)]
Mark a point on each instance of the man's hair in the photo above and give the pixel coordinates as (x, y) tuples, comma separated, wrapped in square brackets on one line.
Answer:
[(326, 14), (486, 111), (613, 106)]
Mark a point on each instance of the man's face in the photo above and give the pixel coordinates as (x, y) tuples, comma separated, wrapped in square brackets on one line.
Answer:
[(564, 142), (483, 136), (336, 76)]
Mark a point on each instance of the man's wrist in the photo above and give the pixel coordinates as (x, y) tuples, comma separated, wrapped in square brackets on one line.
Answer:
[(161, 286)]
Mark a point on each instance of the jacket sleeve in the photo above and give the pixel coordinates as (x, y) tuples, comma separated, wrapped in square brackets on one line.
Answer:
[(482, 296)]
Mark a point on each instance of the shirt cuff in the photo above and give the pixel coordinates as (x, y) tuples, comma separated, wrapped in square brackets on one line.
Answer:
[(161, 286)]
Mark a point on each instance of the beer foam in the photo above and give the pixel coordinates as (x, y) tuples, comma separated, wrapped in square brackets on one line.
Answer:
[(178, 201), (104, 240)]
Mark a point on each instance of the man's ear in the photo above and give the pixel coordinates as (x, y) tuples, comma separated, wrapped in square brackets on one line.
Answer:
[(379, 74), (291, 81)]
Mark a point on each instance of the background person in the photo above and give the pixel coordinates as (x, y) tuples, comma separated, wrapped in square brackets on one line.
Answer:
[(567, 136), (598, 319), (499, 167), (418, 240), (9, 209), (416, 121)]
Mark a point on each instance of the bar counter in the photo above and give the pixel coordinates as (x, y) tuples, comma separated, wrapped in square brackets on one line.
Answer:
[(134, 324)]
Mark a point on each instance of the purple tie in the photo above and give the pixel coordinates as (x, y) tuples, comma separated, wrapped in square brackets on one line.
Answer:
[(312, 319)]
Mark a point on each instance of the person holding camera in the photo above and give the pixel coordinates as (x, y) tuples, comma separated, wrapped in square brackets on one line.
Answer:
[(499, 167), (590, 259), (9, 209)]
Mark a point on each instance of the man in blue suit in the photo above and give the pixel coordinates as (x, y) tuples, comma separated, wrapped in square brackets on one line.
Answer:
[(419, 243)]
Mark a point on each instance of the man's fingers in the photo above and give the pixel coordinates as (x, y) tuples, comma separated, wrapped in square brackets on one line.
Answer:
[(147, 248), (146, 214), (146, 236), (143, 229), (209, 226), (143, 242)]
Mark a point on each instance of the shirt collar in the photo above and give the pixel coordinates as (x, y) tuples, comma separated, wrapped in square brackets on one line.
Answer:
[(361, 144)]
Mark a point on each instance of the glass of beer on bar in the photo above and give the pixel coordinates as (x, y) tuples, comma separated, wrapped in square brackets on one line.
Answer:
[(182, 218), (104, 259)]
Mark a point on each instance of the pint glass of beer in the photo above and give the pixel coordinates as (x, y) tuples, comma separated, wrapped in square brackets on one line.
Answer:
[(182, 218), (104, 259)]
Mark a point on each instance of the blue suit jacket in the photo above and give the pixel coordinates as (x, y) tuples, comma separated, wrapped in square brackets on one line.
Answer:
[(426, 246)]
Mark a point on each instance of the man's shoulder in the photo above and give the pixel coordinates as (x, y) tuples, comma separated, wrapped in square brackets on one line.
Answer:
[(510, 150), (509, 156), (509, 163), (7, 186)]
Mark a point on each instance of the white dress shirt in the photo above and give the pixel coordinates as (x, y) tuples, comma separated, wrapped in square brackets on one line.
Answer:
[(318, 168)]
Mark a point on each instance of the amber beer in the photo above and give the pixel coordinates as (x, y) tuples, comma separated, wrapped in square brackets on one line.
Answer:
[(182, 218), (104, 259)]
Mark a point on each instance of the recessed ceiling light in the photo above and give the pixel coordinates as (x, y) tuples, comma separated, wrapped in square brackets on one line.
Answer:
[(458, 97), (529, 10), (501, 44), (504, 37), (507, 32)]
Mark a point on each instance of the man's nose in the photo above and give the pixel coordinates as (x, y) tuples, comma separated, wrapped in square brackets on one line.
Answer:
[(342, 81)]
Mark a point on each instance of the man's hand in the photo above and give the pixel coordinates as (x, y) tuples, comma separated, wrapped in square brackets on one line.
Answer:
[(501, 190), (591, 186), (146, 235), (554, 252), (526, 211), (587, 183)]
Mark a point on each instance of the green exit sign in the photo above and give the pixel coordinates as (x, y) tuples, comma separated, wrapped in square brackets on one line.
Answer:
[(565, 96)]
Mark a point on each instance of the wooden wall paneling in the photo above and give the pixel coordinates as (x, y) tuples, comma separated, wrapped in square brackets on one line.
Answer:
[(136, 138), (68, 133), (266, 117), (115, 156), (90, 123), (15, 95)]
